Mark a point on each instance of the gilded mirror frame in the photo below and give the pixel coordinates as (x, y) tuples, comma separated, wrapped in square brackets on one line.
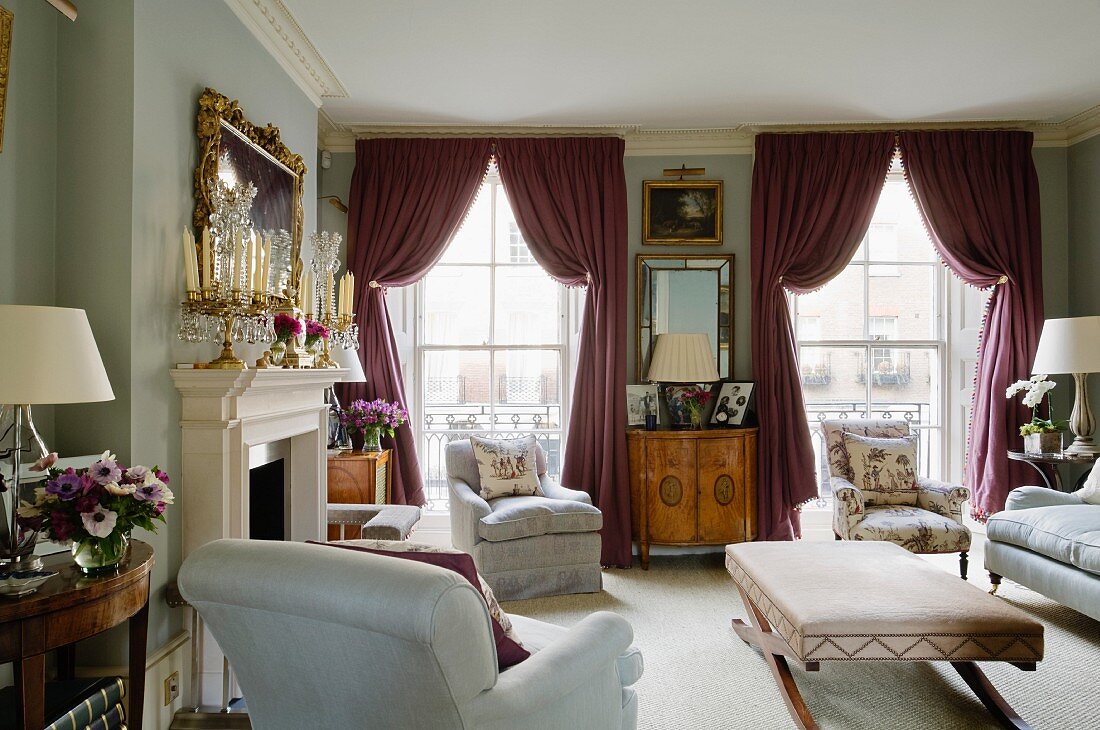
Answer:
[(642, 286), (216, 108)]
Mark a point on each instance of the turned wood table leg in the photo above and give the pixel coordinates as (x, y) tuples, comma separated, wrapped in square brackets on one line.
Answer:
[(989, 696), (773, 648)]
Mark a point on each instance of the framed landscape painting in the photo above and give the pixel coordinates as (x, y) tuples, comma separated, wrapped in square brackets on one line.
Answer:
[(683, 212)]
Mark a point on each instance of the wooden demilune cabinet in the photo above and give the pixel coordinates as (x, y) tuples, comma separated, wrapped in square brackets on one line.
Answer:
[(358, 477), (692, 487)]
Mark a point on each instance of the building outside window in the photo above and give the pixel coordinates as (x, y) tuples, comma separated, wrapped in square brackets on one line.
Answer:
[(892, 291), (491, 345)]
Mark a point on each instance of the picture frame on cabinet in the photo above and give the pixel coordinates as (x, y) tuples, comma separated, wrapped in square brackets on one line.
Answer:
[(732, 404), (641, 400)]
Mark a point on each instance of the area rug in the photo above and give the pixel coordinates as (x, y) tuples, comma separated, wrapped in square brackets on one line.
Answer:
[(698, 674)]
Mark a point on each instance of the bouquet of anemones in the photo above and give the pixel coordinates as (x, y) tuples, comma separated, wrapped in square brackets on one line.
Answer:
[(286, 327), (315, 331), (376, 415), (99, 506)]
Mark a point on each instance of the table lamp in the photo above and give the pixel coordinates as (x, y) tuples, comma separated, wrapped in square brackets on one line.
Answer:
[(681, 358), (349, 359), (1072, 345), (57, 361)]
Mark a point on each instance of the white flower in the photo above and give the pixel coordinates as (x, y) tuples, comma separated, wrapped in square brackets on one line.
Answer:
[(168, 497), (108, 456), (99, 522), (119, 490), (1038, 378), (1017, 387), (29, 511)]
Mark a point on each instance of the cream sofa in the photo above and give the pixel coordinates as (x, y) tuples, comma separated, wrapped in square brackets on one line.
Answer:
[(326, 638)]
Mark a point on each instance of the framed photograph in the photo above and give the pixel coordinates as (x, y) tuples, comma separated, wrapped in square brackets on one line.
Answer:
[(640, 400), (684, 212), (734, 401)]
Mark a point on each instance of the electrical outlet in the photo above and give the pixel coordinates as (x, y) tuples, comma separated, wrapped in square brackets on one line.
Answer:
[(171, 688)]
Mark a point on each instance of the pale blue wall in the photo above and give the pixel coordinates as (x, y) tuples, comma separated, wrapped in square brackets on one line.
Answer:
[(1084, 238)]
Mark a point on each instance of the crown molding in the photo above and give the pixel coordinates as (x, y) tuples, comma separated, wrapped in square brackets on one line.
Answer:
[(278, 31)]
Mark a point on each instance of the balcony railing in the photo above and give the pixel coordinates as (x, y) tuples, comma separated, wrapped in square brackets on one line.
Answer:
[(891, 369), (444, 424), (916, 414)]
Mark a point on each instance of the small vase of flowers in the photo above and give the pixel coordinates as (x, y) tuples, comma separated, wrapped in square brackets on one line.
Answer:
[(98, 507), (695, 402), (286, 329), (370, 419), (315, 334), (1041, 436)]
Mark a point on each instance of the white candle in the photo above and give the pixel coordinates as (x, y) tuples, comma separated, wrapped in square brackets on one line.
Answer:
[(187, 263), (253, 262), (238, 260), (207, 277), (340, 299), (351, 294), (307, 294), (264, 280)]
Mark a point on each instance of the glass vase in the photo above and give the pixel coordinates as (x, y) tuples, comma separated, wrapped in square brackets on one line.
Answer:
[(696, 420), (372, 440), (95, 556)]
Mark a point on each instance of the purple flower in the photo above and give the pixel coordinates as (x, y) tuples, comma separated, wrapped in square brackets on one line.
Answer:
[(136, 474), (66, 486), (61, 525), (105, 471), (151, 491), (160, 475)]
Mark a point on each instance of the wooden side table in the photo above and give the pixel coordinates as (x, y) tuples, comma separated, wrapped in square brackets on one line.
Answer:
[(67, 608), (692, 487), (358, 477), (1054, 459)]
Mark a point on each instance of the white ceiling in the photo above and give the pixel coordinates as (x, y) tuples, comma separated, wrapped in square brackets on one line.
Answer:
[(663, 64)]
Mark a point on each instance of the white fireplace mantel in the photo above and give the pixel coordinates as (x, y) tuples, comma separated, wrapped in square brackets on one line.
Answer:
[(227, 412)]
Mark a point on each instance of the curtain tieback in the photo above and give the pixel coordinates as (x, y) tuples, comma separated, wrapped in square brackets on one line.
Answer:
[(374, 284), (1003, 279)]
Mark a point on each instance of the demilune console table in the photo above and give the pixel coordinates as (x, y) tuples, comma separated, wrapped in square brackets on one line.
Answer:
[(1054, 459), (69, 607)]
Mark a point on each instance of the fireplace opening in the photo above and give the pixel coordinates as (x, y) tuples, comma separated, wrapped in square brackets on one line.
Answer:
[(266, 505)]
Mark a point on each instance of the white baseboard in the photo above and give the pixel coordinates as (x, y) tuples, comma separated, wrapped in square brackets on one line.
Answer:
[(174, 656)]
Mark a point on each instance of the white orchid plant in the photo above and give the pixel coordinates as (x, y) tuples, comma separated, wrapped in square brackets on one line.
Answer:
[(1034, 390)]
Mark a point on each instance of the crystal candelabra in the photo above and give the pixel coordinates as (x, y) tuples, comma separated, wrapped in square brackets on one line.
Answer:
[(231, 284), (332, 307)]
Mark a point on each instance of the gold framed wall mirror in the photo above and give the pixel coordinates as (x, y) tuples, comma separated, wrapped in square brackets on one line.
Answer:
[(234, 150), (684, 293)]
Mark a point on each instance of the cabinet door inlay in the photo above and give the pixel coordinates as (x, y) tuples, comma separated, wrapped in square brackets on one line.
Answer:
[(671, 491), (723, 489)]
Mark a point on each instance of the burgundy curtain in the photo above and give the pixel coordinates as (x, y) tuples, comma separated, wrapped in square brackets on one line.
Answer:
[(408, 198), (979, 195), (569, 198), (813, 196)]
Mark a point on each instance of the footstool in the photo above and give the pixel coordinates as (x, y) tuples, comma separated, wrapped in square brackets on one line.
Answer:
[(873, 601), (378, 521)]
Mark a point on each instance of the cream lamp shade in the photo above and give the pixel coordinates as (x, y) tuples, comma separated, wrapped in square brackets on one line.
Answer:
[(349, 359), (57, 360), (682, 358), (1070, 345)]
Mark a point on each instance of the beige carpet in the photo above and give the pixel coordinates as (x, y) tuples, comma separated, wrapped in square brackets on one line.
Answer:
[(698, 674)]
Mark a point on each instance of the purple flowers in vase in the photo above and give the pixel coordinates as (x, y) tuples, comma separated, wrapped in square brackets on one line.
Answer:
[(372, 419)]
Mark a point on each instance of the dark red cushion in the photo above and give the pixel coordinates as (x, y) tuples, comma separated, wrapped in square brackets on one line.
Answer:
[(509, 652)]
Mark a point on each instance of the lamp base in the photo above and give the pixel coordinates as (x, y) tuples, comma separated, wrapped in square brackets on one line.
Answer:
[(1083, 445), (27, 562)]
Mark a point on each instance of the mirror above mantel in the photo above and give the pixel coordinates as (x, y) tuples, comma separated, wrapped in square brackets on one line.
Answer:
[(684, 294)]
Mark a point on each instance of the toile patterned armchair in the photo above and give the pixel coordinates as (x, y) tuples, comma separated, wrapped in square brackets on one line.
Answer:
[(927, 519)]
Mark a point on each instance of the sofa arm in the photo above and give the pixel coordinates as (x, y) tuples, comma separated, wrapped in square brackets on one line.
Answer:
[(587, 651), (1028, 497), (848, 506), (467, 509), (553, 490), (943, 499)]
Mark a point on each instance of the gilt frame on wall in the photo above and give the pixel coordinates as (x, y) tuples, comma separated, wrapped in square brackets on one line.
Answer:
[(7, 21), (682, 212)]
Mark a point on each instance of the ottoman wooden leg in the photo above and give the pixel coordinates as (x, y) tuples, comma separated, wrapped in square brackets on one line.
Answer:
[(773, 648), (989, 696), (962, 565)]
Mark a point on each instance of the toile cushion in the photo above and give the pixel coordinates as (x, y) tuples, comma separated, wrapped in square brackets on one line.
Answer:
[(833, 432), (517, 517), (915, 529), (509, 650), (506, 467), (1068, 533), (884, 469)]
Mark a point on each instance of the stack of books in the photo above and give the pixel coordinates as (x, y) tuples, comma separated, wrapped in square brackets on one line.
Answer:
[(76, 704)]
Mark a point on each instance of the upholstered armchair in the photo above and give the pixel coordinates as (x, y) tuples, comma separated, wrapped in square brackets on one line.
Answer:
[(320, 637), (524, 546), (928, 519)]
